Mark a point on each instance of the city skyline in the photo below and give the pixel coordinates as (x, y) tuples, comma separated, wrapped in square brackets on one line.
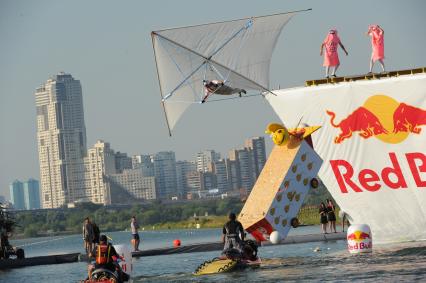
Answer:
[(70, 172), (110, 51)]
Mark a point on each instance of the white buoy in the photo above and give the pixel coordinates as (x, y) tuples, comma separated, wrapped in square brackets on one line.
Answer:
[(125, 263), (359, 239), (275, 237)]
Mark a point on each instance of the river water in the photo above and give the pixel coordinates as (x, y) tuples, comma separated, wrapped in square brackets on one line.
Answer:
[(309, 262)]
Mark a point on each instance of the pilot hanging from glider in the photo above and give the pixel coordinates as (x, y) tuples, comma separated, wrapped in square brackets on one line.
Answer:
[(219, 87)]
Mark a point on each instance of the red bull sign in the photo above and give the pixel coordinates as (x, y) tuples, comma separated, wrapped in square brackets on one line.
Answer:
[(373, 144), (359, 239)]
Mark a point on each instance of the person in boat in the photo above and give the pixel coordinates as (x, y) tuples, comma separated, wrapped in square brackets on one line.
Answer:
[(233, 233), (105, 257), (219, 87), (331, 57), (378, 46)]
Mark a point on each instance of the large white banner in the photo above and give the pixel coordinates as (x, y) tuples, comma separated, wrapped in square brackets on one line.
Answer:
[(373, 143)]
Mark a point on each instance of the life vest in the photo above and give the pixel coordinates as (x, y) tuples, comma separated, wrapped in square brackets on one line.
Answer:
[(103, 254)]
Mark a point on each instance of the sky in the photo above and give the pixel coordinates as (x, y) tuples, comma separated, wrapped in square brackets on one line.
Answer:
[(107, 46)]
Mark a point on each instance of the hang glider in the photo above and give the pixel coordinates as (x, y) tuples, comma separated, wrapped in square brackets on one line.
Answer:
[(222, 58)]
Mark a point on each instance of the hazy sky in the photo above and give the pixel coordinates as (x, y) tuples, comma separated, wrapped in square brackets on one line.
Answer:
[(107, 46)]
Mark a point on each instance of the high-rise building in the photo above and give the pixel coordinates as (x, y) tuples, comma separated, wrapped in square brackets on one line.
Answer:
[(25, 195), (17, 194), (257, 147), (122, 162), (182, 170), (100, 161), (2, 199), (165, 174), (61, 137), (218, 168), (204, 159), (31, 194), (244, 160), (233, 174)]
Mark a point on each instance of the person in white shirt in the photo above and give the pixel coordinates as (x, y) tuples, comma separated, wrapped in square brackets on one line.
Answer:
[(135, 234)]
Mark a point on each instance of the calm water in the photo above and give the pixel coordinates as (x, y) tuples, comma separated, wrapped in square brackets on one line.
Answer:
[(396, 263)]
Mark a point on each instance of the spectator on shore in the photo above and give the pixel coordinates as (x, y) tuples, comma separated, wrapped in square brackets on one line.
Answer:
[(88, 235), (331, 215), (135, 234), (323, 217)]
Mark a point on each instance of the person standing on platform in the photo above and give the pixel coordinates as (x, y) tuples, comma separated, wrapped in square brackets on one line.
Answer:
[(323, 217), (331, 215), (135, 234), (378, 46), (331, 56), (88, 235)]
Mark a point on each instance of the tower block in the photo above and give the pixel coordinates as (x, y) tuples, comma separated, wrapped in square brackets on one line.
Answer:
[(281, 188)]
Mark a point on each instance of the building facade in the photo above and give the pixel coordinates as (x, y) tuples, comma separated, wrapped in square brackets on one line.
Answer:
[(122, 162), (61, 138), (244, 163), (31, 194), (165, 174), (218, 168), (233, 174), (204, 159), (133, 181), (145, 163), (256, 145), (17, 195), (100, 161), (182, 170), (25, 195)]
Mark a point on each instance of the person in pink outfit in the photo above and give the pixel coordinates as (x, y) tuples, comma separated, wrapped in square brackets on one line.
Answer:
[(331, 57), (378, 45)]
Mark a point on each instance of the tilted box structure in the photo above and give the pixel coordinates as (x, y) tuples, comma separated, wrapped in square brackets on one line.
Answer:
[(279, 191)]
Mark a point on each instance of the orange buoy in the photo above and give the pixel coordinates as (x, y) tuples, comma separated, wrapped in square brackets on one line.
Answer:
[(176, 243)]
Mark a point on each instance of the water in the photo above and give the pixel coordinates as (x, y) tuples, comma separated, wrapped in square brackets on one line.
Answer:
[(299, 262)]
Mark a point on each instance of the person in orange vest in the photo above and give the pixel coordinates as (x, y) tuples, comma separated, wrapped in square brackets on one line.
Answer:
[(105, 256)]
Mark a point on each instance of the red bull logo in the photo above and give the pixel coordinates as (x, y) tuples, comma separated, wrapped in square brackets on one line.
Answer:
[(390, 176), (391, 122), (358, 236), (382, 117), (359, 241)]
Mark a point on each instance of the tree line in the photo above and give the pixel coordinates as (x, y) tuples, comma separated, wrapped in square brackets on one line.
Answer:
[(70, 220)]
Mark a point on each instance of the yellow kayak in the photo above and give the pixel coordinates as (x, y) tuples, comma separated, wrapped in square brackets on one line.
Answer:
[(216, 265)]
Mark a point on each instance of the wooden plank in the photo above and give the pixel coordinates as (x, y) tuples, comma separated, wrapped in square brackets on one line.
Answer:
[(366, 76)]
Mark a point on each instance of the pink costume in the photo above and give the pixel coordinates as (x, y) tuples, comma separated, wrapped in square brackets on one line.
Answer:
[(331, 42), (377, 43)]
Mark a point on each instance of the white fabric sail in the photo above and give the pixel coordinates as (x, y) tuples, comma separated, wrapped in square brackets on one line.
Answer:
[(237, 52)]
